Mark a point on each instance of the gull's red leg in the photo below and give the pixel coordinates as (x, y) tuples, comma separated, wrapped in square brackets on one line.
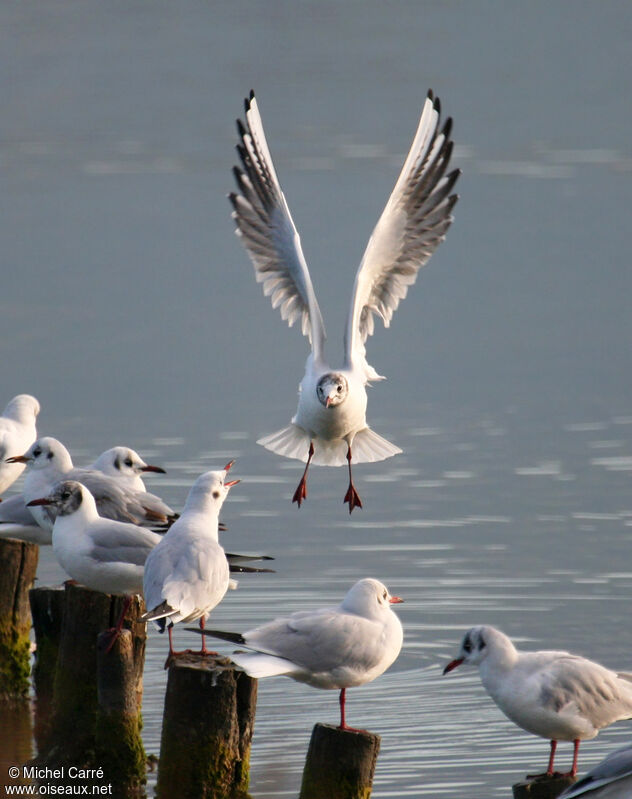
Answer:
[(301, 490), (116, 631), (549, 770), (204, 650), (573, 771), (352, 496)]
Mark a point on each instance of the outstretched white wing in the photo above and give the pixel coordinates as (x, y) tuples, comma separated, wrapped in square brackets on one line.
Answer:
[(412, 225), (265, 225)]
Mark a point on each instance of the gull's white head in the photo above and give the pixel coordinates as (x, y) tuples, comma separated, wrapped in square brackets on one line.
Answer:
[(45, 453), (369, 598), (332, 389), (209, 491), (23, 408), (477, 644), (67, 497), (123, 461)]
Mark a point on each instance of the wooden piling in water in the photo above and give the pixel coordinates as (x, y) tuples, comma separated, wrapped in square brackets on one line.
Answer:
[(542, 786), (47, 606), (118, 743), (340, 764), (72, 733), (207, 728), (19, 564)]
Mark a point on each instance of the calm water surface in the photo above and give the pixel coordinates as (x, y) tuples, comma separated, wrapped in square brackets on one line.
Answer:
[(130, 310)]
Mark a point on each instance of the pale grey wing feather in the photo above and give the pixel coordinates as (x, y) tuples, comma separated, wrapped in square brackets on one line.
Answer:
[(616, 767), (320, 641), (596, 692), (14, 511), (265, 225), (413, 224), (188, 579), (121, 543), (117, 501)]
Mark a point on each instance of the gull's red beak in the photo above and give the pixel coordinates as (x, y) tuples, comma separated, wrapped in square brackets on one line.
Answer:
[(327, 402), (231, 483), (148, 468), (453, 664), (228, 466), (395, 600), (42, 501), (18, 459)]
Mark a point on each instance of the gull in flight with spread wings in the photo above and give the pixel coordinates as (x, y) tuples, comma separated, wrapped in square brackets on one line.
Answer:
[(330, 425)]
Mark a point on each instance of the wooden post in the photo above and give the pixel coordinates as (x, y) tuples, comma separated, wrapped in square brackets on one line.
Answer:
[(47, 605), (207, 728), (542, 786), (340, 764), (19, 564), (119, 746), (72, 737)]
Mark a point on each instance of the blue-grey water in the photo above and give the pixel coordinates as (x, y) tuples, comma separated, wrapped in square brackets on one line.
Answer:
[(128, 307)]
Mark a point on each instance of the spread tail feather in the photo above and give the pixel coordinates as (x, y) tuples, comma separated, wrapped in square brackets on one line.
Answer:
[(293, 442)]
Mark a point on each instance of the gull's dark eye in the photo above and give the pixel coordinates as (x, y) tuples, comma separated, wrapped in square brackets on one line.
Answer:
[(65, 495), (339, 389), (385, 594), (215, 494), (467, 645), (481, 645), (128, 462), (37, 452), (50, 456)]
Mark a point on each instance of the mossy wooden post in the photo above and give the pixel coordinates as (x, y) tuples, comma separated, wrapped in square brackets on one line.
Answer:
[(47, 607), (340, 764), (86, 613), (542, 786), (19, 564), (119, 746), (207, 729)]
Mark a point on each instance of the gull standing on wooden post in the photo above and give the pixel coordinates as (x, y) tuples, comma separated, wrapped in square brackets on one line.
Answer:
[(187, 574), (556, 695), (331, 648)]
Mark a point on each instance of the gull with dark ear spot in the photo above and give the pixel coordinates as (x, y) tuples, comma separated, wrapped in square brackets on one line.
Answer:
[(332, 648), (126, 465), (48, 461), (17, 433), (330, 427), (187, 574), (101, 554), (553, 694)]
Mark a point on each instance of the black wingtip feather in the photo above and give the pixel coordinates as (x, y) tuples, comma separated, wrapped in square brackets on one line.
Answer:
[(430, 95), (241, 128), (446, 130), (437, 105), (234, 638)]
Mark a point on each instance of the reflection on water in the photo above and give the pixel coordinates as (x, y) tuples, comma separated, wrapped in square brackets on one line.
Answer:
[(16, 740), (500, 543)]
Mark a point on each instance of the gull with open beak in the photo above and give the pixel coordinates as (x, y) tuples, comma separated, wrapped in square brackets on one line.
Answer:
[(187, 574)]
